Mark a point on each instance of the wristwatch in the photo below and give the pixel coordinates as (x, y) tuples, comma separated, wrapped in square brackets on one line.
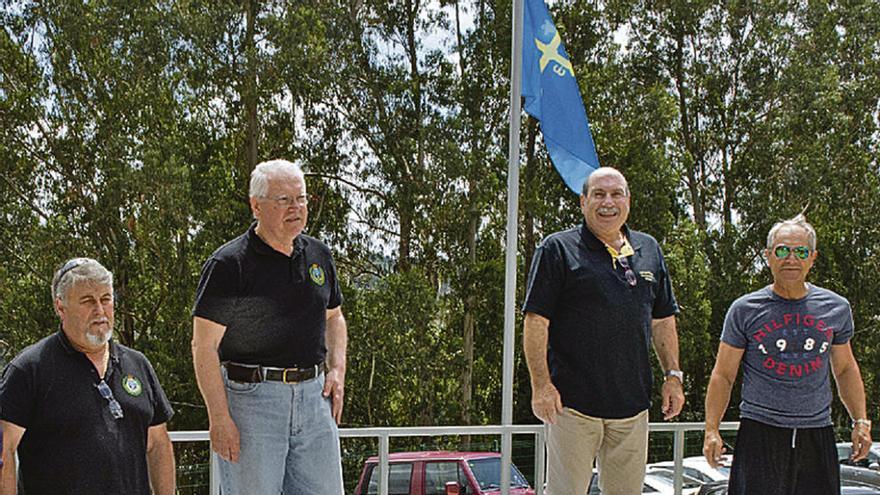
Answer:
[(675, 373)]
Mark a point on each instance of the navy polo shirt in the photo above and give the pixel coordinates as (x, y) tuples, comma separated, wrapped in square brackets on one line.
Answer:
[(274, 306), (600, 326), (72, 443)]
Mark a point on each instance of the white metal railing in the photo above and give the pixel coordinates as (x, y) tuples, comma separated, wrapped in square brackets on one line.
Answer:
[(384, 435)]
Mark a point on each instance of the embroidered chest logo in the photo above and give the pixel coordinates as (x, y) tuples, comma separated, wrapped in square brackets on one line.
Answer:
[(132, 385), (317, 274), (649, 276)]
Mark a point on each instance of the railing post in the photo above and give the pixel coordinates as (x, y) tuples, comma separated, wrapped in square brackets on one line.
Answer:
[(506, 448), (214, 482), (678, 456), (540, 462), (383, 464)]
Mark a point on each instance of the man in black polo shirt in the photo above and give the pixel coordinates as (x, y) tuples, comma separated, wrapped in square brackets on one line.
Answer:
[(597, 297), (267, 324), (87, 415)]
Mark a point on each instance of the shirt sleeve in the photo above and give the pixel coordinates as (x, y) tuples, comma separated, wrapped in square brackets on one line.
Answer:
[(17, 396), (215, 295), (546, 278), (665, 304), (733, 334), (844, 333), (335, 293), (162, 410)]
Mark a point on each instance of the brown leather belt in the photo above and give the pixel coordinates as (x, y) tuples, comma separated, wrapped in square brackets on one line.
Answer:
[(254, 373)]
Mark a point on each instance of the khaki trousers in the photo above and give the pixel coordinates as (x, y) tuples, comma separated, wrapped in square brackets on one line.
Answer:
[(621, 446)]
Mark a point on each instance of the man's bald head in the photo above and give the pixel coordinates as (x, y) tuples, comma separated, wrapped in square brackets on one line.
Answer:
[(603, 172)]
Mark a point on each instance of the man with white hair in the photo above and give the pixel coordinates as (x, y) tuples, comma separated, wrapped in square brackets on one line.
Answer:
[(787, 335), (86, 414), (269, 342)]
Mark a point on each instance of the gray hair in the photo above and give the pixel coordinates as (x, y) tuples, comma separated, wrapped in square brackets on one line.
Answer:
[(799, 221), (265, 171), (77, 270)]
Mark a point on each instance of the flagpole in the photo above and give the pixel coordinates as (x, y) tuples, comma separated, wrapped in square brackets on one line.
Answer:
[(510, 257)]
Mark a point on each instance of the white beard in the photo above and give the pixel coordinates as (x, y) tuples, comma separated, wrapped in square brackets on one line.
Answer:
[(99, 340)]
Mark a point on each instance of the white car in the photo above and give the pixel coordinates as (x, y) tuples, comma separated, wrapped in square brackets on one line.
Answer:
[(661, 481), (697, 467), (656, 483)]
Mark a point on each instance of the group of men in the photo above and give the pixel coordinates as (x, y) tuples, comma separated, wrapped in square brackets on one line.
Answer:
[(598, 295), (88, 415)]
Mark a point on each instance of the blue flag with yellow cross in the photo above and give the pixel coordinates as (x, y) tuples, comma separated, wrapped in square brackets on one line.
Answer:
[(552, 96)]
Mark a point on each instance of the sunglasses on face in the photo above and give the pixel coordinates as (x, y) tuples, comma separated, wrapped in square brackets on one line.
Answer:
[(782, 251)]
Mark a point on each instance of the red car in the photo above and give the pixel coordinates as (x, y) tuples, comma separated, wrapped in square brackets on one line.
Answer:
[(441, 473)]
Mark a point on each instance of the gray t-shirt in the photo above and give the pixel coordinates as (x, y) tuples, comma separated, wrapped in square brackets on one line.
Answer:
[(786, 380)]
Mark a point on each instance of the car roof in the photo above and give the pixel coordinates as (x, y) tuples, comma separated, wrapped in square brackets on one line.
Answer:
[(434, 455)]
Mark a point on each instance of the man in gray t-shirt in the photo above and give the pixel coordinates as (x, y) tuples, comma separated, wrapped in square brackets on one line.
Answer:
[(787, 336)]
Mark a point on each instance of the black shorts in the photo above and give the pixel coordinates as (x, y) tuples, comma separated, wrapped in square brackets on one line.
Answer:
[(769, 460)]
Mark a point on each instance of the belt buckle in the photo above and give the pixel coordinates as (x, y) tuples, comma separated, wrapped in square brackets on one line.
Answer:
[(284, 376)]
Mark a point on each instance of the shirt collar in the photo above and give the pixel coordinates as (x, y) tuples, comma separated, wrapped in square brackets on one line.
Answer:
[(69, 349), (261, 247), (594, 244)]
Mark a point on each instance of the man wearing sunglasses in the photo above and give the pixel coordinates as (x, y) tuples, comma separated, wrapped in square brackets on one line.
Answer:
[(790, 337), (598, 296), (86, 414), (269, 343)]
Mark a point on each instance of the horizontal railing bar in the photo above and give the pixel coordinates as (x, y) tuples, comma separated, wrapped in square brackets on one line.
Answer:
[(430, 431)]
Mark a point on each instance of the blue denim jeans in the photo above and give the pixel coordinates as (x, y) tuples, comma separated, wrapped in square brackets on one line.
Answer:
[(289, 441)]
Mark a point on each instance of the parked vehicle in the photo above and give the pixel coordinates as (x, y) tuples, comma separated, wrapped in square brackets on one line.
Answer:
[(697, 467), (844, 449), (864, 471), (441, 473), (657, 482)]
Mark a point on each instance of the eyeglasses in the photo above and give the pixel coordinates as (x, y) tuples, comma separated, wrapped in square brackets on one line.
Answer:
[(113, 404), (287, 201), (628, 271), (70, 265), (782, 251)]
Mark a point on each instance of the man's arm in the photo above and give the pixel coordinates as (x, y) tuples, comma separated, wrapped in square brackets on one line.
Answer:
[(160, 460), (206, 361), (717, 398), (546, 401), (665, 338), (336, 337), (852, 394), (12, 434)]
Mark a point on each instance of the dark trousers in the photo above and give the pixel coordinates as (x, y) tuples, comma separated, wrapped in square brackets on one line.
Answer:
[(784, 461)]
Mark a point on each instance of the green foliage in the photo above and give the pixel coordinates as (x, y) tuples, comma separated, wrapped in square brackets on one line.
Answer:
[(124, 136)]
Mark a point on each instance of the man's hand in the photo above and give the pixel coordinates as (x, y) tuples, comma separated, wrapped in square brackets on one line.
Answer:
[(673, 398), (334, 387), (713, 447), (225, 439), (546, 402), (861, 441)]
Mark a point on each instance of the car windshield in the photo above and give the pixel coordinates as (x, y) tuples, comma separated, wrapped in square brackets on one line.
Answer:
[(488, 473)]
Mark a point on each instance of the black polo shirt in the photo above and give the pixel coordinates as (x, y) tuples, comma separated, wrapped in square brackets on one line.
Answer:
[(72, 443), (274, 306), (600, 325)]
